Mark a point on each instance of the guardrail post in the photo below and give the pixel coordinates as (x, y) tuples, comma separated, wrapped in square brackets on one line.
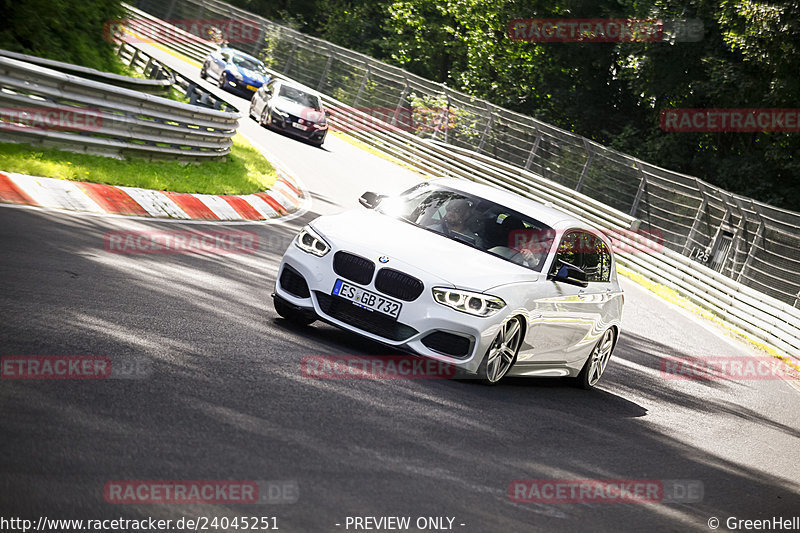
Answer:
[(697, 217), (488, 127), (170, 9), (324, 76), (585, 171), (640, 191), (757, 240), (363, 84), (739, 236), (400, 102), (534, 149), (290, 58), (260, 39)]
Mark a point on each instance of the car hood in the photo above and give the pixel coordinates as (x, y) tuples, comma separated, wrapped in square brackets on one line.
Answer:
[(251, 75), (293, 108), (372, 234)]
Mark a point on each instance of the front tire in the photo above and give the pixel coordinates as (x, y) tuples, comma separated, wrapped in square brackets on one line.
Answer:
[(292, 314), (597, 362), (502, 354)]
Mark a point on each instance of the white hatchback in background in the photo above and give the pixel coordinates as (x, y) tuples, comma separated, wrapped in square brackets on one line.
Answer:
[(488, 281)]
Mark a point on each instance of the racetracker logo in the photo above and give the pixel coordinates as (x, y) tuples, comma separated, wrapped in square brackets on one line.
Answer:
[(727, 368), (175, 30), (374, 367), (72, 367), (605, 490), (390, 119), (586, 30), (50, 118), (730, 120), (181, 242), (201, 492), (539, 241)]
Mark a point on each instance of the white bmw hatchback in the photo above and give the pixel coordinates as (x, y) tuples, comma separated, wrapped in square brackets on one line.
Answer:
[(480, 278)]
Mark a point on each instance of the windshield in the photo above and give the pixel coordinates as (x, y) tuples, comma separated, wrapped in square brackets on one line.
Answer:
[(476, 222), (299, 97), (249, 64)]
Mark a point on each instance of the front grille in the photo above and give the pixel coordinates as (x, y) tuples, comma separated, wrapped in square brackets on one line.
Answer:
[(353, 267), (395, 283), (293, 282), (448, 343), (363, 319)]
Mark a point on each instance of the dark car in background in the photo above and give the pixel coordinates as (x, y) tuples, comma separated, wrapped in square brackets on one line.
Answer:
[(290, 107), (235, 71)]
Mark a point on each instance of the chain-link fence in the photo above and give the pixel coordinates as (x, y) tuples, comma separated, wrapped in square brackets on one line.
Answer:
[(748, 241)]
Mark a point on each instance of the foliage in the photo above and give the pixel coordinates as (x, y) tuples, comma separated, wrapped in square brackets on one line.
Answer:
[(63, 30)]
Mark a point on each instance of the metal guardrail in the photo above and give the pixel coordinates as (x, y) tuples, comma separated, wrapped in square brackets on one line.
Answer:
[(140, 60), (156, 84), (760, 315), (120, 121), (147, 26), (750, 242)]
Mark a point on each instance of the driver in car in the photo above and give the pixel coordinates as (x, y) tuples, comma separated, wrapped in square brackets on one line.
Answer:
[(456, 219)]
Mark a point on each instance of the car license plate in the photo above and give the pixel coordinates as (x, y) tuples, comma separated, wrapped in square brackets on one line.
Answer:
[(366, 299), (300, 126), (251, 88)]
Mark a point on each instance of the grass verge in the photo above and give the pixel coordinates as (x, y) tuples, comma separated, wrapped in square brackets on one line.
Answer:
[(246, 171)]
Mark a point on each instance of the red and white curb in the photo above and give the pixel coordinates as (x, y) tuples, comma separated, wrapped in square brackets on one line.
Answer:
[(285, 197)]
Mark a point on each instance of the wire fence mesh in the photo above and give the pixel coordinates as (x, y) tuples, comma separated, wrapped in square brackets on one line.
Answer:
[(748, 241)]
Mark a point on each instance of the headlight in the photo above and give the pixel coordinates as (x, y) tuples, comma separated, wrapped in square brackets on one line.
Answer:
[(280, 113), (236, 75), (310, 242), (468, 302)]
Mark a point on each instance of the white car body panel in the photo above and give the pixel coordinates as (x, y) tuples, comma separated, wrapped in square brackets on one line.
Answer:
[(563, 322)]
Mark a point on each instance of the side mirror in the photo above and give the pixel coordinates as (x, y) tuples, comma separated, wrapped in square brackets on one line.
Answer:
[(370, 200), (327, 114), (569, 274)]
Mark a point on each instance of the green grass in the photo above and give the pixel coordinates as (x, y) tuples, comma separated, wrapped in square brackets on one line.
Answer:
[(246, 171)]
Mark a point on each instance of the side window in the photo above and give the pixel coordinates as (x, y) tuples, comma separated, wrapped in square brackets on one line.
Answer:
[(569, 251), (596, 260), (587, 252)]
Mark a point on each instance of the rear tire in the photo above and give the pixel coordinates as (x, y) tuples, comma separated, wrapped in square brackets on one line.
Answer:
[(597, 362), (203, 72), (292, 314)]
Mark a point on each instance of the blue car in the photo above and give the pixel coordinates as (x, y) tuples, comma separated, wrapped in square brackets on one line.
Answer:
[(235, 71)]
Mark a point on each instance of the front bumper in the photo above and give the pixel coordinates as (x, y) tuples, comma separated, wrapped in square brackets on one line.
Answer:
[(241, 87), (423, 326), (286, 124)]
